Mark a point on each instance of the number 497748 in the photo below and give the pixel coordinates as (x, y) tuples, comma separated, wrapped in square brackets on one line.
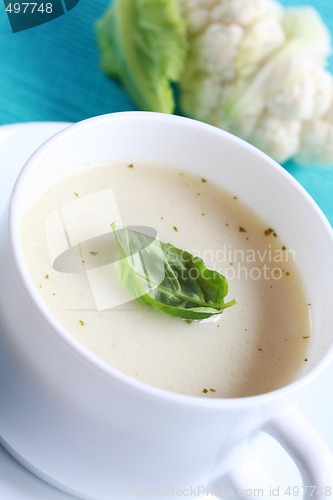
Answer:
[(29, 8)]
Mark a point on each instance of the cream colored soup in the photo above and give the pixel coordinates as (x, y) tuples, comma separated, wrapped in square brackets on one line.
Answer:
[(258, 345)]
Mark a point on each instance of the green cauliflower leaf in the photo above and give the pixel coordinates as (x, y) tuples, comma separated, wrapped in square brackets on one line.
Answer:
[(143, 44)]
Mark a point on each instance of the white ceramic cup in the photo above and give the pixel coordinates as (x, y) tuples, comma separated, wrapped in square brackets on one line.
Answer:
[(87, 428)]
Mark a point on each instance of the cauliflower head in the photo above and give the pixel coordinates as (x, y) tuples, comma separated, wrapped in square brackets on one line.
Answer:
[(250, 67), (256, 69)]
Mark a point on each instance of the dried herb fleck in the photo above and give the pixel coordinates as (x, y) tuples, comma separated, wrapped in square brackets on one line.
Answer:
[(242, 229), (205, 391)]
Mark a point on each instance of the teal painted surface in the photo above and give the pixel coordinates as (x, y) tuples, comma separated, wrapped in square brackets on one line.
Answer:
[(51, 73)]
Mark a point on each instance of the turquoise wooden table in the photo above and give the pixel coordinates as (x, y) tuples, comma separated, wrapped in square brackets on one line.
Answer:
[(51, 73)]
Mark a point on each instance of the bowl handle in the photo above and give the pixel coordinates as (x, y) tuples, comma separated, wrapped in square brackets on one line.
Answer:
[(310, 453)]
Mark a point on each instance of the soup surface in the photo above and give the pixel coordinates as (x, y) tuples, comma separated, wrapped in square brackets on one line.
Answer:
[(255, 346)]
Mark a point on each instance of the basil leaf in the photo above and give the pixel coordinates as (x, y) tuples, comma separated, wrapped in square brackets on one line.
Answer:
[(168, 278)]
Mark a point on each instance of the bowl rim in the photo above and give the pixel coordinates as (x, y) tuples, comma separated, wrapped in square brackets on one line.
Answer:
[(84, 353)]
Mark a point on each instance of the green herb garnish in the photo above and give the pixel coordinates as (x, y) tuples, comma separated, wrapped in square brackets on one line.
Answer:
[(168, 278)]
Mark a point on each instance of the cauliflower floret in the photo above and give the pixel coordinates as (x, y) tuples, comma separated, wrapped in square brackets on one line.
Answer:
[(260, 40), (219, 42), (197, 14), (278, 137), (243, 12), (316, 142), (201, 13), (307, 98), (307, 32)]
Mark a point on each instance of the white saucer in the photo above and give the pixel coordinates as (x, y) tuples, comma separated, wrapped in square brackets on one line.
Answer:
[(17, 142)]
